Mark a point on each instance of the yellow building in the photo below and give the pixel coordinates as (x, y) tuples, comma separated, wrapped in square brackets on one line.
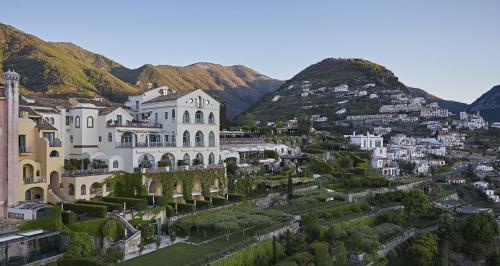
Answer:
[(41, 159)]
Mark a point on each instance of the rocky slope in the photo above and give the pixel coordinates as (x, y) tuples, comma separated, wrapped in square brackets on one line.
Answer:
[(65, 69), (488, 105)]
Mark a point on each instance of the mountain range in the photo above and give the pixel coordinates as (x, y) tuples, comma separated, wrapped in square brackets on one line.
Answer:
[(61, 69), (66, 70)]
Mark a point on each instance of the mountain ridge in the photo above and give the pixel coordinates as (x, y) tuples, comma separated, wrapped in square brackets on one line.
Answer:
[(64, 69), (304, 94), (488, 104)]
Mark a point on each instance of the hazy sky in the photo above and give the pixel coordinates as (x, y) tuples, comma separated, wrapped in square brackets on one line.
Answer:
[(449, 48)]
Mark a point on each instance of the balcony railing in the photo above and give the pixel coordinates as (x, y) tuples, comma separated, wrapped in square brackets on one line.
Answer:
[(24, 149), (134, 124), (178, 168), (55, 143), (144, 144), (34, 180), (230, 141), (87, 172)]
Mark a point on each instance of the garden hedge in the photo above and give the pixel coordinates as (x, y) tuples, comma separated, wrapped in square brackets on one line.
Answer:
[(185, 207), (159, 200), (80, 262), (203, 204), (69, 217), (111, 206), (218, 201), (236, 197), (90, 210), (131, 202)]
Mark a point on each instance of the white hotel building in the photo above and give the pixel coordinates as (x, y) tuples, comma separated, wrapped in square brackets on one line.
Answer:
[(160, 125)]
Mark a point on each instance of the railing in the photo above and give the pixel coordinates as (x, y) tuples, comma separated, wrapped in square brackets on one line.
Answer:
[(135, 124), (34, 180), (24, 149), (198, 144), (55, 143), (87, 172), (229, 141), (144, 144), (178, 168)]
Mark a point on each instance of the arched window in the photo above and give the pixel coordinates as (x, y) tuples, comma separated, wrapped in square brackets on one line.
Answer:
[(168, 157), (110, 137), (185, 117), (186, 159), (71, 189), (54, 154), (146, 161), (115, 164), (211, 118), (211, 139), (198, 117), (52, 120), (199, 159), (186, 142), (211, 158), (173, 114), (77, 122), (83, 190), (199, 139), (90, 122)]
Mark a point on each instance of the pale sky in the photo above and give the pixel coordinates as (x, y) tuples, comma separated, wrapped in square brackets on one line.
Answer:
[(450, 48)]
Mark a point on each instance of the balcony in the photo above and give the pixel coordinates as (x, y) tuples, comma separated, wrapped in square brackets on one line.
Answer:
[(144, 144), (24, 149), (34, 180), (55, 143), (133, 124)]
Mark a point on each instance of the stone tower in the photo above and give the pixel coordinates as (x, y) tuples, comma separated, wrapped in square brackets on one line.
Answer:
[(9, 139)]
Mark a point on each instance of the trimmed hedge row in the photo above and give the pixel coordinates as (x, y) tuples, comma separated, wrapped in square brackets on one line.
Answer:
[(236, 197), (69, 217), (159, 200), (111, 206), (136, 203), (185, 207), (91, 210), (216, 201), (200, 204), (80, 262)]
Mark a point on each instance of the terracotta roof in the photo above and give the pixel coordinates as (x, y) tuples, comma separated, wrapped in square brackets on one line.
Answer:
[(45, 126), (168, 97), (107, 110), (46, 102), (30, 111)]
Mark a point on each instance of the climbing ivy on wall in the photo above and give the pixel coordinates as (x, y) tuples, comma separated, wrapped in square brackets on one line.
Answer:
[(207, 178), (127, 185)]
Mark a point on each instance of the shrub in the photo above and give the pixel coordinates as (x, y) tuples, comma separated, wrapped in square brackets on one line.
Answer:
[(159, 200), (80, 245), (163, 163), (68, 217), (80, 262), (236, 197), (111, 206), (130, 202), (113, 230), (203, 204), (92, 227), (139, 206), (181, 207), (90, 210), (218, 201), (51, 223)]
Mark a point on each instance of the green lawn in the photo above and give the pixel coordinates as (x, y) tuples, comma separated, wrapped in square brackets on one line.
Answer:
[(182, 254)]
